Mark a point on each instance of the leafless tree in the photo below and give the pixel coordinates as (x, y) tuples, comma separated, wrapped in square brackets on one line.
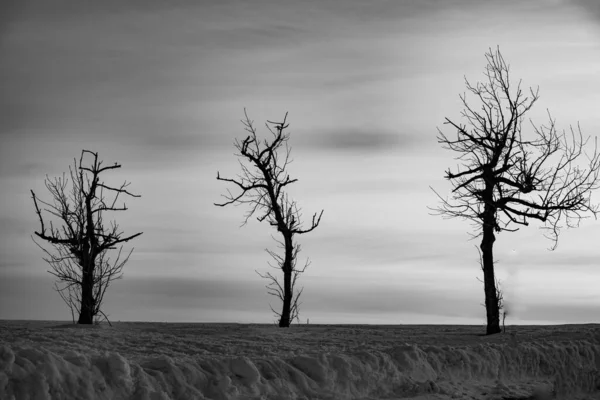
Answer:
[(262, 186), (79, 257), (506, 179)]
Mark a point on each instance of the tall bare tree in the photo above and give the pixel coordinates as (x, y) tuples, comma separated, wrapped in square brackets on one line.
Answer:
[(80, 257), (262, 186), (506, 179)]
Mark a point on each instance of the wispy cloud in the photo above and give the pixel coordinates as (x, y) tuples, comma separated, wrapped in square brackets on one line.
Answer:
[(355, 140), (591, 8)]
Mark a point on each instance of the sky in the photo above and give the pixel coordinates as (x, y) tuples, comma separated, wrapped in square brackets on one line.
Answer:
[(160, 87)]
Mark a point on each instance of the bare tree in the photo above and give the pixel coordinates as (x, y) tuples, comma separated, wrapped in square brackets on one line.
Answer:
[(80, 257), (506, 179), (262, 187)]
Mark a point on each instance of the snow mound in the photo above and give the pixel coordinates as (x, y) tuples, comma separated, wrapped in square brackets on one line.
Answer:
[(497, 369), (477, 372)]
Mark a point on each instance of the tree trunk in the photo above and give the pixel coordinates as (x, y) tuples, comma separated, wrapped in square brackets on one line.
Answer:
[(86, 313), (489, 282), (284, 321)]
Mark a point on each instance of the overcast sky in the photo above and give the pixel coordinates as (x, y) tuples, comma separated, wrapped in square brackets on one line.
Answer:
[(160, 87)]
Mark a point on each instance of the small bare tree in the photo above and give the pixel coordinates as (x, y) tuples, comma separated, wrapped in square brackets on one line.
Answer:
[(81, 244), (507, 179), (261, 187)]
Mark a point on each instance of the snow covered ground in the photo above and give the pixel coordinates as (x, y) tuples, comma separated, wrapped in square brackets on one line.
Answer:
[(158, 361)]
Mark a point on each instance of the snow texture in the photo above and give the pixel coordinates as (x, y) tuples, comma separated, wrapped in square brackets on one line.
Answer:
[(158, 361)]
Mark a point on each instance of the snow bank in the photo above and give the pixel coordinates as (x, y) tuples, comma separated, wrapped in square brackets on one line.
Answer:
[(557, 369)]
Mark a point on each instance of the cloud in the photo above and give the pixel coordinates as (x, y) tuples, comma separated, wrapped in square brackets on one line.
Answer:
[(12, 265), (389, 297), (10, 12), (380, 248), (175, 290), (17, 292), (204, 295), (590, 7), (559, 313), (571, 260), (355, 140), (266, 35)]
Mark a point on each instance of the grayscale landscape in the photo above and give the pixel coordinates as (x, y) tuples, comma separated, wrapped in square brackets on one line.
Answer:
[(299, 200)]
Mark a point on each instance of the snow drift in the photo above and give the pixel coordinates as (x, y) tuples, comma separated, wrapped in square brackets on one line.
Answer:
[(225, 361)]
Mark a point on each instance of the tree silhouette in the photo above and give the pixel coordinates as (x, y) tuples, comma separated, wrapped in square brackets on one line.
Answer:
[(81, 244), (262, 187), (506, 179)]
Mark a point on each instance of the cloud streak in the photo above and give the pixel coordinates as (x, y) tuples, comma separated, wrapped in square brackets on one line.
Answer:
[(356, 140)]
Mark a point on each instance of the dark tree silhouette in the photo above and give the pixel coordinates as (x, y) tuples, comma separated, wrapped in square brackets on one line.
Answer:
[(262, 186), (506, 179), (81, 244)]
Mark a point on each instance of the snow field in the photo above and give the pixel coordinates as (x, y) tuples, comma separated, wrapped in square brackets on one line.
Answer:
[(559, 367)]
